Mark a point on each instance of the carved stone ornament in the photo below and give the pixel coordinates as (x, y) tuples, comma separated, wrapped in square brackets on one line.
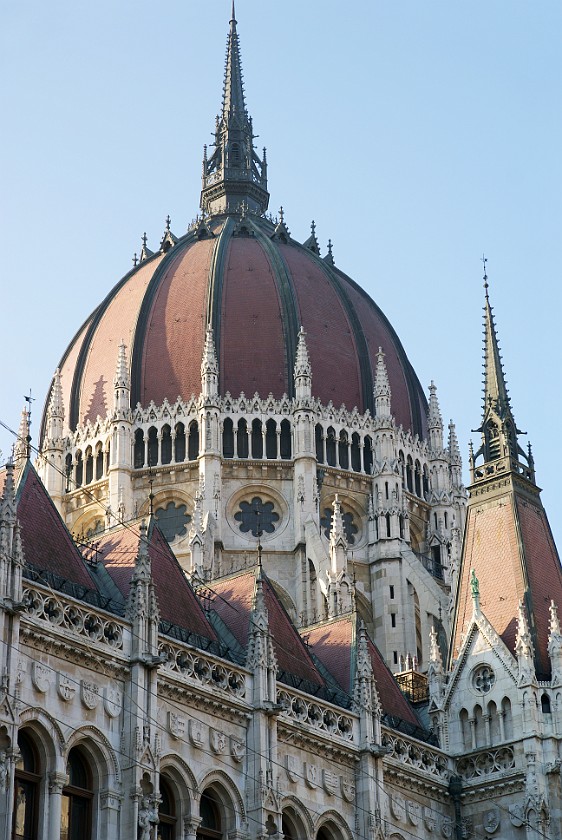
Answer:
[(176, 725), (492, 819), (196, 734), (217, 741), (292, 766), (447, 827), (112, 700), (348, 789), (397, 806), (311, 775), (517, 815), (330, 782), (429, 818), (66, 687), (20, 672), (40, 676), (413, 809), (237, 749), (89, 694)]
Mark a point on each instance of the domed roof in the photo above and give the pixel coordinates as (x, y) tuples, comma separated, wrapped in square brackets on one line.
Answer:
[(240, 272)]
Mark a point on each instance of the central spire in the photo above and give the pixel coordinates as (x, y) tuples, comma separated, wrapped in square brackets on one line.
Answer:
[(234, 177)]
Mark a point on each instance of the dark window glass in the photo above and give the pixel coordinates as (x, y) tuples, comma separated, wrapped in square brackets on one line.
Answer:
[(257, 439), (257, 517), (355, 453), (173, 520), (228, 438), (139, 449), (285, 441), (152, 447), (179, 449), (193, 443), (76, 799), (26, 790), (331, 447), (242, 439), (99, 465), (271, 439), (166, 445), (318, 432)]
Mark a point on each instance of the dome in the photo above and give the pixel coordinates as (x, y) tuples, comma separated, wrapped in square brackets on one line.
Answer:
[(255, 286), (240, 272)]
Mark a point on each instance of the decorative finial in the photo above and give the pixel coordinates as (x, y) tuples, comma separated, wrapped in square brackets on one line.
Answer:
[(233, 14), (313, 227), (135, 259), (485, 278), (168, 222), (281, 215), (144, 239)]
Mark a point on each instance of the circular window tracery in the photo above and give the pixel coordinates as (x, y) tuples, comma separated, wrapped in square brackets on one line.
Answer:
[(483, 679), (257, 517), (349, 526), (173, 520)]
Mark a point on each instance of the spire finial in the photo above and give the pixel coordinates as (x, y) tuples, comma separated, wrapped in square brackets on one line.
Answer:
[(168, 222), (233, 14), (381, 391), (135, 259), (484, 260), (281, 215)]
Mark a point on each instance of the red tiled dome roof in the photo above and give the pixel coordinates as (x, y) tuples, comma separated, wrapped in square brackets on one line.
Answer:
[(256, 289)]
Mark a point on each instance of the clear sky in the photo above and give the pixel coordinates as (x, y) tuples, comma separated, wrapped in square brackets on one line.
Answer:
[(416, 134)]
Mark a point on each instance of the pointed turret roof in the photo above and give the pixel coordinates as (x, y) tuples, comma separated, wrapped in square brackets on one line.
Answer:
[(234, 177), (508, 543)]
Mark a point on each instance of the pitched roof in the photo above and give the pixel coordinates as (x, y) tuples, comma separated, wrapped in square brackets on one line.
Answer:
[(234, 603), (47, 543), (509, 545), (334, 643), (177, 601)]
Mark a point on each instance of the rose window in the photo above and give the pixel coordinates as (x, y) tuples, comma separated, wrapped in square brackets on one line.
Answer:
[(173, 520), (257, 517), (483, 679)]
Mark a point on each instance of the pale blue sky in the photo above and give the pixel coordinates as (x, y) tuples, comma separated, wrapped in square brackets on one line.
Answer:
[(416, 134)]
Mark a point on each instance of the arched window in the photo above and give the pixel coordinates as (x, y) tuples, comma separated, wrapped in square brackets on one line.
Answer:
[(26, 789), (271, 439), (285, 440), (152, 446), (343, 451), (368, 455), (257, 439), (355, 452), (545, 704), (242, 438), (89, 465), (410, 474), (107, 454), (425, 483), (76, 813), (99, 462), (211, 820), (79, 470), (318, 435), (193, 442), (494, 723), (465, 729), (331, 446), (235, 155), (166, 445), (479, 726), (228, 438), (417, 478), (179, 443), (166, 813), (402, 467), (68, 470), (139, 449), (507, 720)]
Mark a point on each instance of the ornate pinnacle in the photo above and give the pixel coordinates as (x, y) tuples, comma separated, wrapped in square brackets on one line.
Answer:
[(337, 533), (56, 402), (302, 361), (434, 413), (382, 392), (121, 378), (554, 625), (454, 451), (434, 650)]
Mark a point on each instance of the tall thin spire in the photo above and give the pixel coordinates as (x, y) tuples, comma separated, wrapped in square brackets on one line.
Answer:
[(499, 430), (382, 391), (234, 176)]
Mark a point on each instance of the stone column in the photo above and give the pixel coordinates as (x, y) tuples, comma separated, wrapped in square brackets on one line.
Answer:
[(57, 781)]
